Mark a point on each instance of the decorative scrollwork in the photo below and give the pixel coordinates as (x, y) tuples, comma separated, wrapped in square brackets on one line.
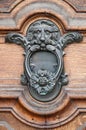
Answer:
[(42, 81), (43, 66)]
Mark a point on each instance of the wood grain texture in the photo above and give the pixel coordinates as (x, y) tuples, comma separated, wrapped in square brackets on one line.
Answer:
[(66, 107), (6, 6), (17, 107), (17, 125), (78, 5), (54, 9), (5, 126), (12, 55)]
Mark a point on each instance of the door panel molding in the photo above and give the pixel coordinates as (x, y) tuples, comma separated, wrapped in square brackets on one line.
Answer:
[(14, 97), (56, 9)]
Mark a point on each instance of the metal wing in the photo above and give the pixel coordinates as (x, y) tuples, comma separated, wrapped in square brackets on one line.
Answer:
[(70, 38), (16, 38)]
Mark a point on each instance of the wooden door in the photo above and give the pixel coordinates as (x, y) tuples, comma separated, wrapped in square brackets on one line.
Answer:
[(20, 111)]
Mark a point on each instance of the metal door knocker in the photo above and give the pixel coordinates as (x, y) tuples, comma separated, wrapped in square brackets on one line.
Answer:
[(43, 66)]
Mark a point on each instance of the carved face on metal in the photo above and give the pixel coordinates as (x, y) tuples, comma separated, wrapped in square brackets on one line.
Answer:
[(43, 32), (43, 63), (43, 66)]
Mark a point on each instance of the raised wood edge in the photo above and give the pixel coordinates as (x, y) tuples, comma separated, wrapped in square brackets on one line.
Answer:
[(6, 6), (6, 125), (28, 10), (79, 8), (33, 116)]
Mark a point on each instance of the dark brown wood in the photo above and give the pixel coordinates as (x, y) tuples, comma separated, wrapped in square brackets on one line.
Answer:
[(68, 110)]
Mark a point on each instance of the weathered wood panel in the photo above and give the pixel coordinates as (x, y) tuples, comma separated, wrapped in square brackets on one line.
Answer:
[(15, 109)]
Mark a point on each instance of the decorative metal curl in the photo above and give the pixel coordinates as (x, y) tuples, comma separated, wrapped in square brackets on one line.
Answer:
[(43, 40)]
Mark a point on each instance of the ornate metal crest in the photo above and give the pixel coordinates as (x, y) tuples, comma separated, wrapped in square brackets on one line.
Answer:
[(43, 66)]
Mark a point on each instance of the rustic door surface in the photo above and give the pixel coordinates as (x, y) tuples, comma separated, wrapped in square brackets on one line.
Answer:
[(18, 109)]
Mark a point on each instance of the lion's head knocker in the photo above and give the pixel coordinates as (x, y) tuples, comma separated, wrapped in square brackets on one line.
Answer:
[(43, 66), (43, 33)]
